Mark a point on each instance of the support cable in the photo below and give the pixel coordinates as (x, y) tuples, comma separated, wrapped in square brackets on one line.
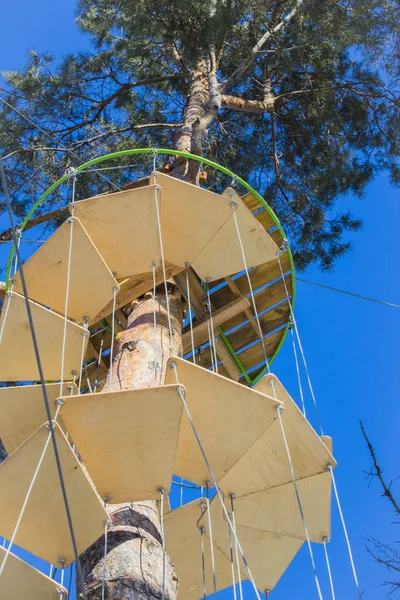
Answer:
[(234, 207), (298, 373), (239, 574), (68, 282), (301, 347), (353, 567), (115, 290), (232, 562), (212, 334), (203, 563), (328, 566), (103, 579), (42, 381), (84, 336), (154, 323), (181, 393), (96, 381), (191, 312), (279, 409), (210, 535), (161, 492)]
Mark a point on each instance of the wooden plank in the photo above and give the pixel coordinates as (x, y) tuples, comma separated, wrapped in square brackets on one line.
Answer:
[(182, 538), (228, 368), (190, 218), (251, 201), (135, 287), (44, 528), (269, 322), (265, 220), (276, 509), (222, 256), (46, 271), (17, 357), (254, 355), (277, 237), (200, 331), (268, 554), (20, 581), (228, 417), (265, 464), (236, 292), (123, 226), (22, 411), (131, 431)]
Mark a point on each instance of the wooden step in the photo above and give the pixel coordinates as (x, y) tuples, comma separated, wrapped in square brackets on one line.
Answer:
[(228, 417), (22, 411), (17, 357), (91, 281), (223, 256), (44, 529), (183, 544), (126, 439), (20, 581), (123, 226), (265, 465)]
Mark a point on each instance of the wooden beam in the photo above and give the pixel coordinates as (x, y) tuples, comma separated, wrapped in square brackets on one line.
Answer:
[(236, 292), (200, 331)]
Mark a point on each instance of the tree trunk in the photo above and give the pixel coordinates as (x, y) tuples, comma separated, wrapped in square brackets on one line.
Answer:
[(134, 548)]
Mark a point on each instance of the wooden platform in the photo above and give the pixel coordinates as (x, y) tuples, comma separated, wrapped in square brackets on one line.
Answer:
[(183, 544), (44, 530), (20, 581), (123, 226), (17, 358), (228, 417), (22, 411), (265, 464), (126, 439), (91, 281)]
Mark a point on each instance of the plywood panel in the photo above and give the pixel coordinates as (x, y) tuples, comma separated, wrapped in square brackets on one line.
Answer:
[(44, 530), (20, 581), (123, 226), (126, 439), (276, 509), (183, 544), (17, 358), (91, 281), (228, 417), (22, 411), (222, 256), (265, 465), (191, 217)]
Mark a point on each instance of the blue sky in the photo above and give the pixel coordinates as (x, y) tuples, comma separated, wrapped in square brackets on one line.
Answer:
[(351, 344)]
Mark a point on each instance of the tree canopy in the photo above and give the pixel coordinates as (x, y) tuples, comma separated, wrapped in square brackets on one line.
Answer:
[(299, 97)]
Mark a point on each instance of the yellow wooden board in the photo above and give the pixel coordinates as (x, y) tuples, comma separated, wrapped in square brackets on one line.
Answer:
[(20, 581), (265, 464), (268, 554), (228, 417), (126, 439), (17, 358), (276, 510), (183, 544), (91, 281), (123, 226), (223, 255), (22, 411), (191, 217), (44, 529)]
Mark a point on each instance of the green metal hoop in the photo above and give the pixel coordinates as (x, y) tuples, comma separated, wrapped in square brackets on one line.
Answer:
[(204, 161)]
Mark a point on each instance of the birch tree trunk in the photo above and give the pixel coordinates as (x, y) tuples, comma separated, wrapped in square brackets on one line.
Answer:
[(134, 547)]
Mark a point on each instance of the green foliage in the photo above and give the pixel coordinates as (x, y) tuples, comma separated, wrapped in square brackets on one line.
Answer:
[(332, 80)]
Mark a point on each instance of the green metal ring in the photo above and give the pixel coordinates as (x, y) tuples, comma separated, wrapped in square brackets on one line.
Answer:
[(204, 161)]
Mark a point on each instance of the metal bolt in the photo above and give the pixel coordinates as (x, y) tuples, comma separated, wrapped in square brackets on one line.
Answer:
[(60, 402), (234, 204)]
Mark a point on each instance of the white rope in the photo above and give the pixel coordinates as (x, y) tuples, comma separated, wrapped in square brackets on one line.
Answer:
[(84, 335), (239, 574), (103, 580), (181, 393), (181, 492), (28, 494), (191, 312), (212, 358), (210, 535), (62, 563), (298, 373), (157, 188), (96, 383), (213, 349), (232, 563), (279, 410), (161, 492), (9, 296), (353, 567), (154, 323), (328, 566), (203, 563), (234, 206), (19, 234), (115, 290), (71, 235), (301, 348)]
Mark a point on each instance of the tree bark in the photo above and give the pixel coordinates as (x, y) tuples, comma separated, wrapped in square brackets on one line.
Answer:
[(134, 549)]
